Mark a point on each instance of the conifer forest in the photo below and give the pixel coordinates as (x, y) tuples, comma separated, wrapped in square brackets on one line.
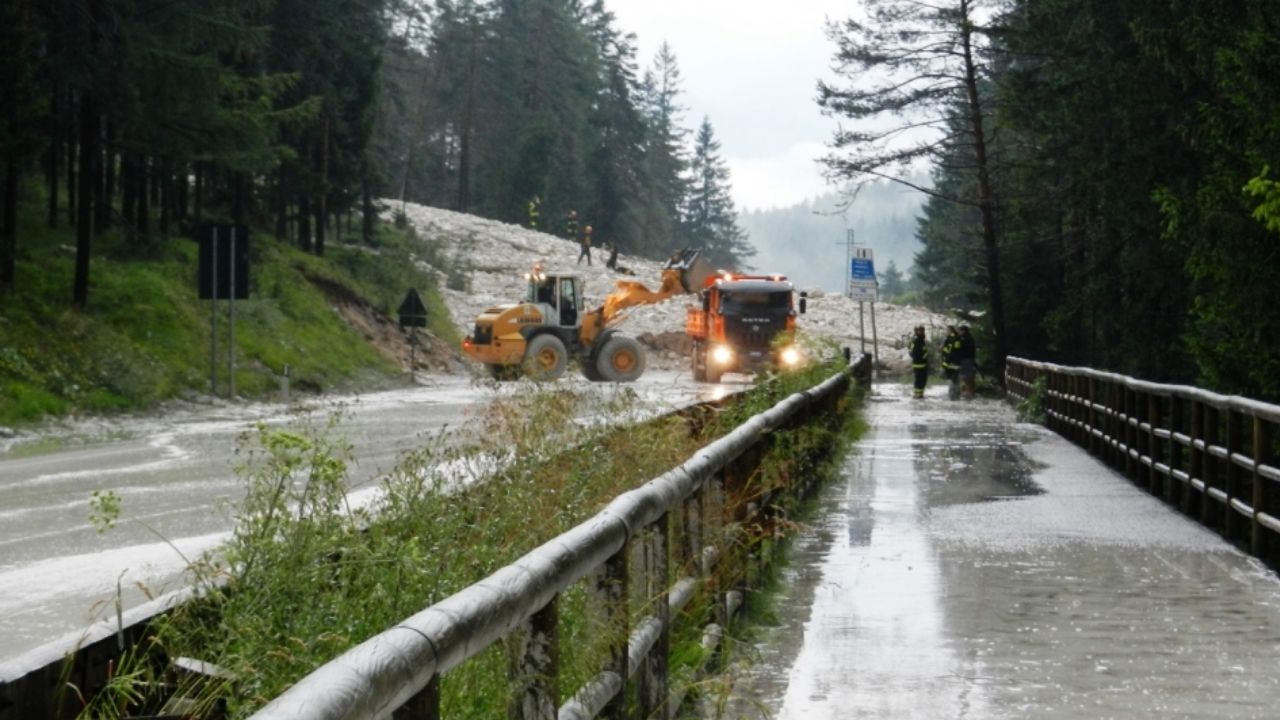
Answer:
[(1103, 175)]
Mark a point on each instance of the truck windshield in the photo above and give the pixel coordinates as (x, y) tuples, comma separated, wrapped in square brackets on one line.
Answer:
[(739, 303)]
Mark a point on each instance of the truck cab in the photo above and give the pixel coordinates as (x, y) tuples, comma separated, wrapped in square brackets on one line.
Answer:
[(740, 323)]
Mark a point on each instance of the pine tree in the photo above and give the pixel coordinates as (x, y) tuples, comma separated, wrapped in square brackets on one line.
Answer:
[(918, 66), (710, 221), (665, 157)]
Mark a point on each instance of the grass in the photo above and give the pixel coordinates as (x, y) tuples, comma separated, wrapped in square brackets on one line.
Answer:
[(309, 576), (145, 336)]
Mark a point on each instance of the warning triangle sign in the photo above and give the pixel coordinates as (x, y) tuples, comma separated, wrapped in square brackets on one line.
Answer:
[(413, 313)]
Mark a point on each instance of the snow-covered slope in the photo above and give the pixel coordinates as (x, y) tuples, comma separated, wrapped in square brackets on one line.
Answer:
[(495, 257)]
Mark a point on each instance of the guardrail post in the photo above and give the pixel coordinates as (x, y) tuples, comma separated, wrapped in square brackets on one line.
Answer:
[(721, 582), (1153, 443), (534, 666), (1089, 422), (1195, 464), (1132, 418), (423, 706), (651, 687), (691, 536), (1173, 452), (611, 598), (1208, 464), (1261, 494), (1231, 524)]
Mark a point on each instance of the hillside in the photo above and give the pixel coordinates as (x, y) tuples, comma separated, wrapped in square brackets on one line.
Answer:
[(488, 261)]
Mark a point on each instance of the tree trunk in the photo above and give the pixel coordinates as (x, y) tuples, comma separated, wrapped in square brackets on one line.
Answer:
[(84, 214), (282, 205), (180, 197), (143, 195), (322, 209), (986, 206), (197, 212), (72, 157), (55, 159), (368, 216), (304, 224), (468, 118), (128, 193), (238, 198), (165, 183), (9, 225), (106, 183)]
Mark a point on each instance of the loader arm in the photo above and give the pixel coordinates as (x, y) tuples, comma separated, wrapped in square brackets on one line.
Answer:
[(686, 272)]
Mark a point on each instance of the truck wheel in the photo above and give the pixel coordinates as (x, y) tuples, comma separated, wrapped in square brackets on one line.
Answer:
[(589, 370), (621, 359), (713, 375), (545, 358), (699, 362)]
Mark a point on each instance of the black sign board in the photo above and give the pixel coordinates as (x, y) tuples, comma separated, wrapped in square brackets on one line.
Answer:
[(412, 312), (220, 245)]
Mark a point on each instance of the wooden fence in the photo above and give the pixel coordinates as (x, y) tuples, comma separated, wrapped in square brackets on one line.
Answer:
[(1211, 455), (693, 519)]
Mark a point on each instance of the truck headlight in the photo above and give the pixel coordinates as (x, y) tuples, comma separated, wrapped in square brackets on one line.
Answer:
[(721, 355), (790, 356)]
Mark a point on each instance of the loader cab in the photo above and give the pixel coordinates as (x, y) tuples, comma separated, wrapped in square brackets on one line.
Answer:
[(560, 295)]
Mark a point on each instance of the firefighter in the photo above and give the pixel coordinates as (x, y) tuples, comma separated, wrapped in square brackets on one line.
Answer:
[(968, 356), (535, 207), (571, 225), (585, 244), (951, 362), (919, 361)]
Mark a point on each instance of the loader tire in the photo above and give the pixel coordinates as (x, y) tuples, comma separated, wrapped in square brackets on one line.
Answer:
[(621, 359), (545, 358)]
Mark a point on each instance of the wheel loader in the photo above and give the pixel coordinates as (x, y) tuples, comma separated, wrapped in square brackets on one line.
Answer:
[(539, 336)]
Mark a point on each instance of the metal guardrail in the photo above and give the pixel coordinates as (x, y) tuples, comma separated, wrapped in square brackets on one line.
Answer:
[(1214, 456), (399, 671)]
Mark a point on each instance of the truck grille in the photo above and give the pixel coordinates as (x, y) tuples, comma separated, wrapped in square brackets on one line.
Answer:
[(750, 336), (482, 335)]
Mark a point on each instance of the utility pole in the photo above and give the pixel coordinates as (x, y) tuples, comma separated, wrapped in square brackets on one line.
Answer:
[(848, 257)]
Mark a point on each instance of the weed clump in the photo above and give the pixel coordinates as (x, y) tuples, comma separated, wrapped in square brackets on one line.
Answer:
[(314, 568)]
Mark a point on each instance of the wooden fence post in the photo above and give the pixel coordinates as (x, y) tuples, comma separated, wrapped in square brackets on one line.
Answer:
[(423, 706), (1195, 464), (652, 687), (1153, 444), (1231, 523), (535, 665), (1261, 494), (1208, 464), (611, 598)]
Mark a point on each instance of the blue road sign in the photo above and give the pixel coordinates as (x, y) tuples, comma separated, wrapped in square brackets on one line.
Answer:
[(861, 269)]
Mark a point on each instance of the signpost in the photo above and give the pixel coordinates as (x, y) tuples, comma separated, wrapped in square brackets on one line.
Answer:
[(413, 315), (864, 287), (223, 274)]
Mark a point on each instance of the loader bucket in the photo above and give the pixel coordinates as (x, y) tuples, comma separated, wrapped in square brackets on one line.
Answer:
[(693, 269)]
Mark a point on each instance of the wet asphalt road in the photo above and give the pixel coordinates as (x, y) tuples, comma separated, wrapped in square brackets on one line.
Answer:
[(969, 566), (175, 478)]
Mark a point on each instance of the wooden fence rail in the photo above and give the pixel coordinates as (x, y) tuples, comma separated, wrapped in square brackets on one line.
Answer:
[(1213, 456), (398, 672)]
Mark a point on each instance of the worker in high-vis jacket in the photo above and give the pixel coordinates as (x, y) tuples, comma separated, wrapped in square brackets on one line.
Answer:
[(951, 361), (535, 209), (919, 361)]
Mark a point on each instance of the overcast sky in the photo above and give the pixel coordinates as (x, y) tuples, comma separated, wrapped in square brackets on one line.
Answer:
[(752, 67)]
